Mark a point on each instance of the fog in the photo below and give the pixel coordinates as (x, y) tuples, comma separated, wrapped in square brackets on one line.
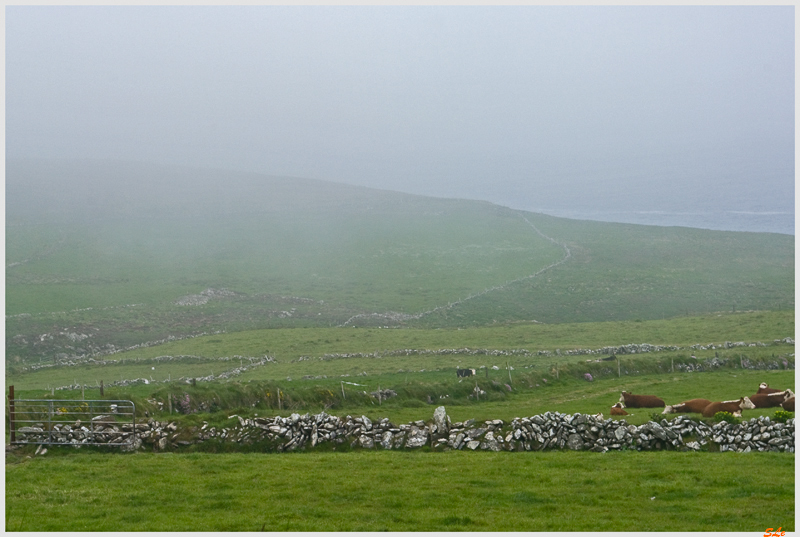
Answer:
[(668, 115)]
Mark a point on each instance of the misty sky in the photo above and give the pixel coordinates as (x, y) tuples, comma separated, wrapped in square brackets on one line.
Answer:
[(554, 109)]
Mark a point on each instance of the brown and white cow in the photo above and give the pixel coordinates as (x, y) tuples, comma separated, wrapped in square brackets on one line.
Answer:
[(693, 405), (640, 401), (734, 407), (788, 404), (618, 410), (764, 388), (769, 400)]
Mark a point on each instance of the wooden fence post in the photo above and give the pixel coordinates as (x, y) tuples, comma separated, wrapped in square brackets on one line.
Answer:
[(101, 388), (619, 375), (509, 372)]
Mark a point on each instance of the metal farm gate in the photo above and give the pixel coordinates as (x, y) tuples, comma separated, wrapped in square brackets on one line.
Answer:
[(71, 422)]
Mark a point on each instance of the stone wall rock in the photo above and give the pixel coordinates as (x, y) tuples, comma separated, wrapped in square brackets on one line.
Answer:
[(548, 431)]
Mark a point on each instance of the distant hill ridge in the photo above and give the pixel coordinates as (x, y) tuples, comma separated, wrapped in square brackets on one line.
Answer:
[(105, 234)]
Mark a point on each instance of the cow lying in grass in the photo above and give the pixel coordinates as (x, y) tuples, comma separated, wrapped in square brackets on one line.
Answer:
[(764, 388), (618, 410), (640, 401), (788, 405), (693, 405), (769, 400), (734, 407)]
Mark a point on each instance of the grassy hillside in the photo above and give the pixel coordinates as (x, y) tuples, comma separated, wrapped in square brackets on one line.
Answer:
[(308, 365), (103, 255), (626, 272), (302, 296)]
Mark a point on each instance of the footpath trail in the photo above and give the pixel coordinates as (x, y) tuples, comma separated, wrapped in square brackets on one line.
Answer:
[(395, 316)]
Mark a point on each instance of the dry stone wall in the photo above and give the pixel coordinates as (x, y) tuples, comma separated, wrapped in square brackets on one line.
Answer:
[(548, 431)]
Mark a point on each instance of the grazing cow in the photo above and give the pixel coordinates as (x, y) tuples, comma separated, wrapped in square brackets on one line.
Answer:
[(618, 410), (769, 400), (788, 405), (734, 407), (641, 401), (465, 372), (694, 405)]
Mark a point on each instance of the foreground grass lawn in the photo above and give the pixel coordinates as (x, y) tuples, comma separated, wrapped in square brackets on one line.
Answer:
[(402, 491)]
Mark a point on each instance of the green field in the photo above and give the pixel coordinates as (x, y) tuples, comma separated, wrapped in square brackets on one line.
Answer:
[(256, 286), (67, 490), (377, 491), (391, 356)]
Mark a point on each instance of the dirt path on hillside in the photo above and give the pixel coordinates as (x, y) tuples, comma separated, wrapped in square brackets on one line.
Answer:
[(395, 316)]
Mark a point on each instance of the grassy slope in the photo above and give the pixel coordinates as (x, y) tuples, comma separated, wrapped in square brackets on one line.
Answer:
[(310, 253), (287, 345), (626, 272), (293, 237)]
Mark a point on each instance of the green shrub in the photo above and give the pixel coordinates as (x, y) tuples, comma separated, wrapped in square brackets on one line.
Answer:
[(782, 415)]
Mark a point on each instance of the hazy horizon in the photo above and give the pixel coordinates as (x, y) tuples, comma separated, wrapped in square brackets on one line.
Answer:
[(666, 115)]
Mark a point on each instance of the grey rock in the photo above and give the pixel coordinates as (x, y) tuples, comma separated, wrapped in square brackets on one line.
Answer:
[(366, 441), (136, 444), (417, 437), (490, 442), (575, 442), (441, 420)]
